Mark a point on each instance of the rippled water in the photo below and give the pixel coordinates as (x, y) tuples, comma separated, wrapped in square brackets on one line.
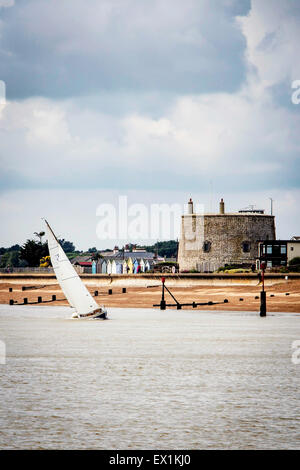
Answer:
[(148, 379)]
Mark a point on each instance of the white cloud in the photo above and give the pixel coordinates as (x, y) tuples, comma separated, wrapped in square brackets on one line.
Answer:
[(272, 32), (7, 3), (219, 134)]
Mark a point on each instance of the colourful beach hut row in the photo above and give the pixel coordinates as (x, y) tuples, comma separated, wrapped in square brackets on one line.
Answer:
[(119, 266)]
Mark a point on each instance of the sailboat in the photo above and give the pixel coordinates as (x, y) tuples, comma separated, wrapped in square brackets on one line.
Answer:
[(72, 286)]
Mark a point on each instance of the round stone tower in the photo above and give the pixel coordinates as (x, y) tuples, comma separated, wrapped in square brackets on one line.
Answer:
[(209, 241)]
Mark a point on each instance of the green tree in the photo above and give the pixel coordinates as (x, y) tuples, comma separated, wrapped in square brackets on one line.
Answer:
[(67, 246), (166, 248), (9, 258), (32, 252), (14, 248), (294, 264)]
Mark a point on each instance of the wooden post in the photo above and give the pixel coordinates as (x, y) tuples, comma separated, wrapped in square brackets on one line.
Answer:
[(263, 300), (263, 304), (163, 302)]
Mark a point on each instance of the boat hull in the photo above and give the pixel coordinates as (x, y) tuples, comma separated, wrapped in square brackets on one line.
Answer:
[(99, 314)]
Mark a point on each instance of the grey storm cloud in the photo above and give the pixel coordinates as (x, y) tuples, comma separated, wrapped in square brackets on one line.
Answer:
[(62, 48)]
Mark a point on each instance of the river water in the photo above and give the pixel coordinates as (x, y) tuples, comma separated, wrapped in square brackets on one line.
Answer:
[(147, 379)]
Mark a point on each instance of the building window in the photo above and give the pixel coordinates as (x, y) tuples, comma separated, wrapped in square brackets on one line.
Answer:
[(292, 248), (206, 247), (269, 249), (246, 247), (283, 249), (269, 264)]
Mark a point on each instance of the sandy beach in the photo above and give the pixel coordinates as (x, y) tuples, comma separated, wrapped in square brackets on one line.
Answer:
[(240, 297)]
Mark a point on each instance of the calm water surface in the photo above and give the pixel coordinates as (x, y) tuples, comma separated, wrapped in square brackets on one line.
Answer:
[(148, 379)]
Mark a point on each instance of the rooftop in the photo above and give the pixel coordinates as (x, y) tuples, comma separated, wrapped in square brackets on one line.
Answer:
[(231, 214)]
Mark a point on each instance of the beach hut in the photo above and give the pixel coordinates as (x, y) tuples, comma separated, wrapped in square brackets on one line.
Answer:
[(142, 264), (109, 267), (119, 267), (103, 267), (113, 267), (130, 265), (94, 267), (100, 265), (147, 265), (136, 266), (124, 267)]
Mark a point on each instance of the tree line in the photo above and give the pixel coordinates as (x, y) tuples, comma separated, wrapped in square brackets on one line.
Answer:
[(30, 253), (34, 250)]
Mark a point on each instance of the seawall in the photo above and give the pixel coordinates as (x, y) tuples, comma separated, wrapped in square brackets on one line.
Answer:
[(148, 279)]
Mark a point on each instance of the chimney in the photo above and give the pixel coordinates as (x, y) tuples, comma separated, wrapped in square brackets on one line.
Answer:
[(190, 206), (222, 207)]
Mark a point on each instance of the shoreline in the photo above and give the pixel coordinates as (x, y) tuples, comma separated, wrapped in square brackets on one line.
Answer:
[(187, 309)]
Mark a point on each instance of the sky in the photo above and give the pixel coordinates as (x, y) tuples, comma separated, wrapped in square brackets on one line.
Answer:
[(157, 101)]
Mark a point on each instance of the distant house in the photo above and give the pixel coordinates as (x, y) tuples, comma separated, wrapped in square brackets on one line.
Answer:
[(276, 253), (81, 259), (83, 266)]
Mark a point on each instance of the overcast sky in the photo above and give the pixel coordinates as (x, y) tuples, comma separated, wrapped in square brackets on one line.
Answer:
[(158, 100)]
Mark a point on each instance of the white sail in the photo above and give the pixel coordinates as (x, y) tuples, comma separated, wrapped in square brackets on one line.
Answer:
[(75, 291)]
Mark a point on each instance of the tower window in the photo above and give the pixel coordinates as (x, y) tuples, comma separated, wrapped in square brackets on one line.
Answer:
[(206, 246), (246, 247)]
